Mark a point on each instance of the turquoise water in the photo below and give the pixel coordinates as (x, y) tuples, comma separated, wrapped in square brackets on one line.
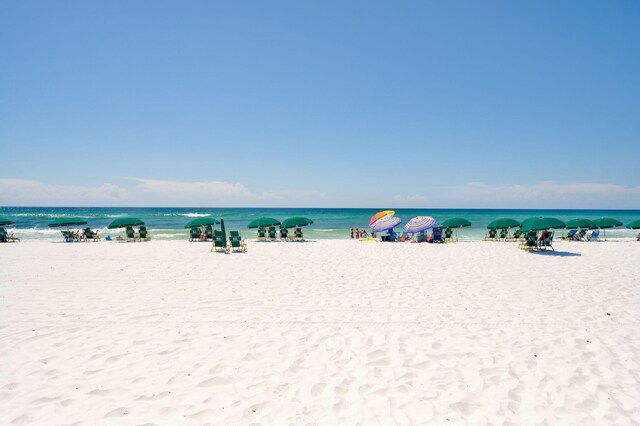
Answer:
[(168, 223)]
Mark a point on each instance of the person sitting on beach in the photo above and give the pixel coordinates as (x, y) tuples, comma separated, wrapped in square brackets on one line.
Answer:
[(638, 239), (75, 235), (373, 234), (364, 233), (543, 236)]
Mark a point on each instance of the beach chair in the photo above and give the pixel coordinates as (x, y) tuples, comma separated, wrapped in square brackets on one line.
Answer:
[(236, 241), (516, 234), (144, 236), (194, 234), (262, 234), (546, 243), (90, 235), (448, 235), (131, 235), (530, 241), (503, 234), (582, 235), (571, 235), (4, 237), (436, 236), (297, 234), (594, 236), (284, 233), (491, 235), (273, 235), (219, 242), (208, 233)]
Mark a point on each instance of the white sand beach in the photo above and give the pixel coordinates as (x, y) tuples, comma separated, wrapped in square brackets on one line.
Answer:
[(326, 332)]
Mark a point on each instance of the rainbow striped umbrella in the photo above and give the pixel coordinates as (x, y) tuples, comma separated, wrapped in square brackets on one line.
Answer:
[(419, 224), (376, 217), (385, 223)]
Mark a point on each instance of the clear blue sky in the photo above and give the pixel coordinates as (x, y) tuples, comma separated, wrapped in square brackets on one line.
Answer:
[(355, 104)]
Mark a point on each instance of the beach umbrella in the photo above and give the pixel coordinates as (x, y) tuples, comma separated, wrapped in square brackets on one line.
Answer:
[(6, 221), (581, 223), (295, 222), (201, 221), (456, 222), (541, 224), (223, 232), (67, 222), (376, 217), (634, 225), (123, 222), (503, 223), (419, 224), (263, 222), (386, 223), (606, 223)]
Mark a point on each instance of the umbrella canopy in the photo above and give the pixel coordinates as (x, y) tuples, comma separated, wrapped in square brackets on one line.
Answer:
[(606, 222), (634, 225), (376, 217), (67, 221), (201, 221), (294, 222), (541, 223), (385, 223), (6, 221), (419, 224), (456, 222), (262, 222), (581, 223), (123, 222), (503, 223)]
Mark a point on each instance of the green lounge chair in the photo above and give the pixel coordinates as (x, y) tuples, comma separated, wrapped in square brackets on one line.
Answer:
[(194, 234), (284, 233), (208, 233), (491, 235), (503, 234), (4, 237), (530, 241), (131, 235), (262, 234), (448, 235), (582, 235), (237, 243), (90, 235), (516, 234), (219, 242), (297, 234), (273, 235), (546, 243), (143, 233)]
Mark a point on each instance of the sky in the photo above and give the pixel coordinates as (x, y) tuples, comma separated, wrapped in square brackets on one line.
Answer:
[(492, 104)]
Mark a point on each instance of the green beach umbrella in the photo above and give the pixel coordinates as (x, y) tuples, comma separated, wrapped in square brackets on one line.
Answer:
[(67, 222), (201, 221), (634, 225), (503, 223), (606, 223), (224, 232), (456, 222), (294, 222), (581, 223), (123, 222), (263, 222), (541, 223), (6, 221)]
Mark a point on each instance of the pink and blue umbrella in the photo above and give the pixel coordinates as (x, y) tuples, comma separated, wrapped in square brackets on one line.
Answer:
[(419, 224), (386, 223)]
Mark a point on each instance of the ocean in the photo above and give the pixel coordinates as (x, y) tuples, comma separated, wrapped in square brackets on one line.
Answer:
[(167, 223)]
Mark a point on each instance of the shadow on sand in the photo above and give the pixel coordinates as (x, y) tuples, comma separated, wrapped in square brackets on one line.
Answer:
[(556, 253)]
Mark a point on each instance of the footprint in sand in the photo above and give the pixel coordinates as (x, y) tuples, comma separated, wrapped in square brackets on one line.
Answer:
[(118, 412), (318, 389)]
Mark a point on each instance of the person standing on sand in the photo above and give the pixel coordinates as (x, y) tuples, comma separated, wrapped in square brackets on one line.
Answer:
[(351, 232), (357, 233)]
